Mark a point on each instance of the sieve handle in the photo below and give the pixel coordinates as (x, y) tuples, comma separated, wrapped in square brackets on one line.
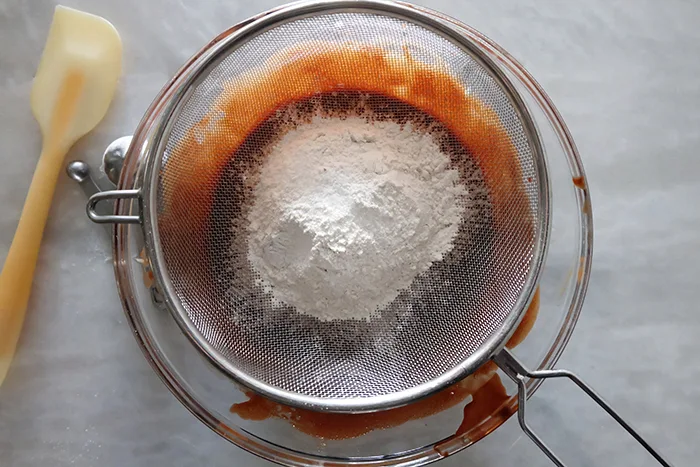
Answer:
[(516, 371), (112, 218)]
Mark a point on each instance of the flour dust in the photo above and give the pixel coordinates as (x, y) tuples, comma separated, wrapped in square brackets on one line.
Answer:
[(347, 212)]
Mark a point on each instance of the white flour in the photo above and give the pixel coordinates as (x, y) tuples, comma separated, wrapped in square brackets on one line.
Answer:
[(347, 213)]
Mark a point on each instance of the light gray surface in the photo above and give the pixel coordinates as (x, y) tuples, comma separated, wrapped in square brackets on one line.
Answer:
[(624, 74)]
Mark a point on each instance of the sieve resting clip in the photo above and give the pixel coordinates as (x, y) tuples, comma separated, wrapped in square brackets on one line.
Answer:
[(117, 195), (516, 371)]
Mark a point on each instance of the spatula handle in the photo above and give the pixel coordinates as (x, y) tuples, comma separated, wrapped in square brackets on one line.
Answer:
[(18, 271)]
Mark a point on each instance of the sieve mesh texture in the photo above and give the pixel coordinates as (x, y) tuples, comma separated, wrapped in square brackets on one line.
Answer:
[(340, 64)]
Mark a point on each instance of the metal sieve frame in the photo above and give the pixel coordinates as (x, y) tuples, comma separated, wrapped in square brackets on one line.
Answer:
[(146, 197)]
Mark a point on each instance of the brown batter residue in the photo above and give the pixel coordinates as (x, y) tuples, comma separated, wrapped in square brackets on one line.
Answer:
[(312, 69), (484, 385), (343, 426), (486, 402)]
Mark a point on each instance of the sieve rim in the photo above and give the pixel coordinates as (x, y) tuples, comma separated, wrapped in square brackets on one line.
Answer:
[(486, 350)]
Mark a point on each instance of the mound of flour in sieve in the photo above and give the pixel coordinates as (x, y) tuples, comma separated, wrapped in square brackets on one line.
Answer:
[(348, 212)]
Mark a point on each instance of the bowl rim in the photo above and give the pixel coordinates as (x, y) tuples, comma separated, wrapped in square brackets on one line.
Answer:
[(133, 176)]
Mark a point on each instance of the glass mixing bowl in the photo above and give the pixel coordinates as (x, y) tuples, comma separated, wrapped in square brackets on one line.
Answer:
[(209, 394)]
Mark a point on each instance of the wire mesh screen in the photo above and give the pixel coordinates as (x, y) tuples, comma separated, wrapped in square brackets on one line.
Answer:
[(340, 65)]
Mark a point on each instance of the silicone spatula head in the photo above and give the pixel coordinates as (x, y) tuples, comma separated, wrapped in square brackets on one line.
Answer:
[(82, 51)]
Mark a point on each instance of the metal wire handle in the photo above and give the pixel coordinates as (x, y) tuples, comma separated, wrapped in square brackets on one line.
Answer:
[(98, 218), (515, 370)]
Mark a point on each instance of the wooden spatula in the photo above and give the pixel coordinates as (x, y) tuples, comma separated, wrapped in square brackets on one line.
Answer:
[(72, 90)]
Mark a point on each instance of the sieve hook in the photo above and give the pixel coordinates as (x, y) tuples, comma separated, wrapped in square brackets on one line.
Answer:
[(516, 371), (112, 218)]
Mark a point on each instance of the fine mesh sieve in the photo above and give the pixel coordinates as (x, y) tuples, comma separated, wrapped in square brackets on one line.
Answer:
[(198, 156), (381, 62)]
